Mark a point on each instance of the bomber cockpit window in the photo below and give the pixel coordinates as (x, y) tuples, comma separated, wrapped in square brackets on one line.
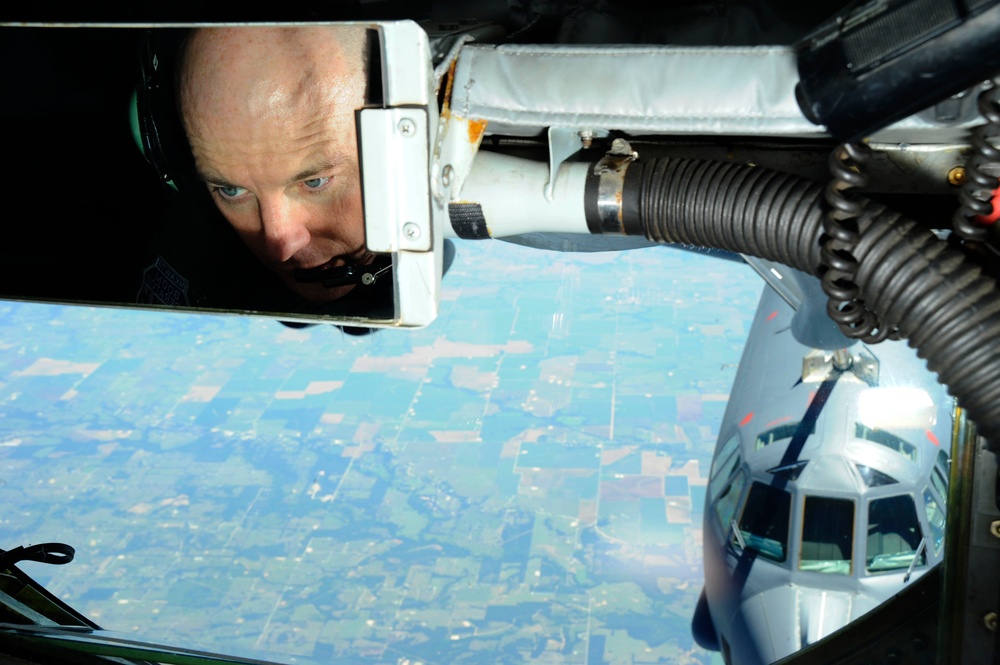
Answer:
[(939, 476), (827, 535), (894, 536), (725, 505), (935, 517), (778, 433), (763, 524), (874, 477), (887, 439), (726, 461)]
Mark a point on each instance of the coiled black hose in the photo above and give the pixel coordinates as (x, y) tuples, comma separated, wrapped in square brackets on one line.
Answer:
[(975, 196), (946, 308)]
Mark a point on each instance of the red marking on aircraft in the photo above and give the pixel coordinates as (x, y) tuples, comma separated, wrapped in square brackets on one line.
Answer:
[(772, 315), (777, 421), (933, 439), (747, 419)]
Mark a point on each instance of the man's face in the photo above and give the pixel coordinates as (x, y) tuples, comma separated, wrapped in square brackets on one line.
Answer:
[(273, 136)]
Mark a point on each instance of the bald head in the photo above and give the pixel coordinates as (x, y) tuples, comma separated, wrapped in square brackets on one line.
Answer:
[(269, 114), (268, 74)]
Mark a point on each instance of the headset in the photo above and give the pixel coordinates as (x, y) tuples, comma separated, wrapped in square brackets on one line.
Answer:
[(156, 125)]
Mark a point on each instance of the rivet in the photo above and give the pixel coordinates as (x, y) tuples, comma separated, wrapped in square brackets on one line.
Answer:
[(407, 127), (956, 176)]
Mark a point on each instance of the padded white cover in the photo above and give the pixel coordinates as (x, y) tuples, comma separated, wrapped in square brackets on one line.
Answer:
[(749, 91)]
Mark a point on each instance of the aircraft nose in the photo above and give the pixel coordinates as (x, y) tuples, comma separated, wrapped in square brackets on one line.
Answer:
[(784, 619)]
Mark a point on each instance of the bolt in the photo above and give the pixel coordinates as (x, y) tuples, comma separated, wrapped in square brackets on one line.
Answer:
[(586, 138), (411, 230), (956, 176), (407, 127), (368, 279), (620, 147), (990, 621), (446, 173), (995, 528)]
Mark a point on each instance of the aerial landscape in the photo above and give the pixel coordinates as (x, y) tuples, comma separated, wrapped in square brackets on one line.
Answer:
[(521, 481)]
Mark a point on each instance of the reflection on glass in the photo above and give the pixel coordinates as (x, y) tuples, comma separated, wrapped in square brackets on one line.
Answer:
[(887, 439), (723, 465), (874, 477), (893, 535), (778, 433), (827, 535), (725, 508), (764, 521), (935, 517)]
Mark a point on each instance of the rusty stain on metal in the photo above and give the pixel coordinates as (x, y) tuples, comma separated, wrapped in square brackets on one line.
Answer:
[(476, 130)]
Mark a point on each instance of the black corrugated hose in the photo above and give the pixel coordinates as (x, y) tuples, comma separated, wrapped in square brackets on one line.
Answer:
[(941, 302)]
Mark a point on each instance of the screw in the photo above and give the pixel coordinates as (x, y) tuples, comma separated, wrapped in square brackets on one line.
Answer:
[(411, 230), (990, 621), (956, 176), (407, 127), (446, 173)]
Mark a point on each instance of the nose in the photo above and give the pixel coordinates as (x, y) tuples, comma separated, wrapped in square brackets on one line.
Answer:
[(284, 226)]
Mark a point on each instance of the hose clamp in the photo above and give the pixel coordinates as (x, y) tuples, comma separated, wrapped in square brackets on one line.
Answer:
[(608, 179)]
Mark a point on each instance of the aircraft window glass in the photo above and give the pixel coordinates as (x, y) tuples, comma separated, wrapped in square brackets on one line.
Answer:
[(827, 535), (887, 439), (944, 462), (935, 517), (726, 462), (873, 477), (778, 433), (764, 521), (725, 505), (893, 535), (940, 482), (939, 477)]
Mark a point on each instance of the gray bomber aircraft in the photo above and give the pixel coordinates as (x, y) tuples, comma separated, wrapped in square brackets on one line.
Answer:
[(829, 483)]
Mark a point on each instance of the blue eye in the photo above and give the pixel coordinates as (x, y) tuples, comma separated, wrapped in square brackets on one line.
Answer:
[(315, 183), (230, 191)]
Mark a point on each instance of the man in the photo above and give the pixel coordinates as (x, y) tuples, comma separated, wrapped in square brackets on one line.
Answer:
[(269, 115)]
